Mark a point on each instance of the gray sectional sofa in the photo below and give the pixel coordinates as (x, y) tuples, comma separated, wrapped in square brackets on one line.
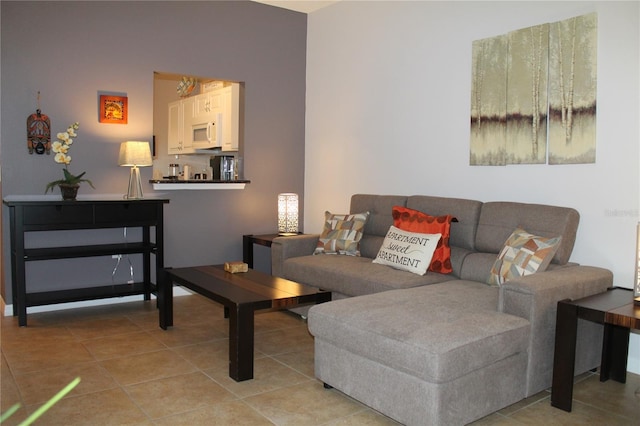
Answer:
[(442, 349)]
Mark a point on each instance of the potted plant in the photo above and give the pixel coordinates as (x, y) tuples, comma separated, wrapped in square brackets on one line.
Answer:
[(70, 184)]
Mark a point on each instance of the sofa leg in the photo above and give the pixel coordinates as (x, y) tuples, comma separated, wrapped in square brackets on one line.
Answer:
[(326, 386)]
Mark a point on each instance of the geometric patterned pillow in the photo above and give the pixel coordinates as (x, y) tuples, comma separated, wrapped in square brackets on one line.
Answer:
[(416, 221), (342, 234), (523, 254)]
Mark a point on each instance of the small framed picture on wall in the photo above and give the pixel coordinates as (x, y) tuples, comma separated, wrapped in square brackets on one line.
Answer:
[(113, 109)]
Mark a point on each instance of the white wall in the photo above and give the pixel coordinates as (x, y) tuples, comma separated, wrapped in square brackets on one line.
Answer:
[(388, 102)]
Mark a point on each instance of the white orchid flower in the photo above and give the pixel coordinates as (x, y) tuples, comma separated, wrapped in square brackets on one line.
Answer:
[(59, 147), (62, 158)]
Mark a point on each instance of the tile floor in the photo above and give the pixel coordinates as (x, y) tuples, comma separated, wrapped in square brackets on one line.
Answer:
[(134, 373)]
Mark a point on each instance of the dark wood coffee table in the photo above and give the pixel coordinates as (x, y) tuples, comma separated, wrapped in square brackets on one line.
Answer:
[(241, 295)]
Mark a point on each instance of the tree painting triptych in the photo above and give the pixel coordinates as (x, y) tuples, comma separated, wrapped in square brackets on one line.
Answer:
[(533, 95)]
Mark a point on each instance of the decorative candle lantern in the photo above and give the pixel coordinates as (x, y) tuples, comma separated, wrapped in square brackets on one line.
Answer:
[(288, 214)]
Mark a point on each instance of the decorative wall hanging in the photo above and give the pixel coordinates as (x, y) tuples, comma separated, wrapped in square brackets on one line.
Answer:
[(113, 109), (533, 95), (572, 94), (489, 102), (39, 132)]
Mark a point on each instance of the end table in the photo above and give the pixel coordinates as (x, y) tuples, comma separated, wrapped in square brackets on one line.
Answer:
[(613, 308)]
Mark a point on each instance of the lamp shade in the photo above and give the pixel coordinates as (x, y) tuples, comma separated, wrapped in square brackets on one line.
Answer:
[(135, 153), (287, 214)]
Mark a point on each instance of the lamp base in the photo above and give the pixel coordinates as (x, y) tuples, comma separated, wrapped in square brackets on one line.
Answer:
[(287, 234), (135, 185)]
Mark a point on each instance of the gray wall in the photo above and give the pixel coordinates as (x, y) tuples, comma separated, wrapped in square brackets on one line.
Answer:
[(70, 51)]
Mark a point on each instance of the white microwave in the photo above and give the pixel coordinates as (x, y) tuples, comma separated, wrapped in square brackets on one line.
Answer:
[(207, 134)]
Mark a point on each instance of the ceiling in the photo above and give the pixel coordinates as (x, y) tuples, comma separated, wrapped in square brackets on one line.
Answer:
[(304, 6)]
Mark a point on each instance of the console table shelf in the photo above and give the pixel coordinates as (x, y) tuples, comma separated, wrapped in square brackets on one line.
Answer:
[(30, 215), (87, 251)]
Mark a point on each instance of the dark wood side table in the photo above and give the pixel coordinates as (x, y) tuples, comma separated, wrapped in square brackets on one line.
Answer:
[(613, 308), (249, 240), (247, 245)]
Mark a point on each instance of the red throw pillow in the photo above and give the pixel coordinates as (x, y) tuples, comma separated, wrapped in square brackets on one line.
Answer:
[(416, 221)]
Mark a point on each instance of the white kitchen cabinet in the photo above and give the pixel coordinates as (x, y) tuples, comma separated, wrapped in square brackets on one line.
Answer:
[(179, 131), (206, 105), (230, 117)]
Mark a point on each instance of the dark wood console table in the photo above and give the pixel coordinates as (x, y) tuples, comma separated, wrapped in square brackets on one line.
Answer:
[(31, 214)]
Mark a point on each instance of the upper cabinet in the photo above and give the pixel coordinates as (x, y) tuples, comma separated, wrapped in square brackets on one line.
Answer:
[(230, 117), (179, 127), (209, 120)]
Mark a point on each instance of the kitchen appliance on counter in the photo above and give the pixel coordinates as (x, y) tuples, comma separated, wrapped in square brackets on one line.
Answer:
[(223, 167)]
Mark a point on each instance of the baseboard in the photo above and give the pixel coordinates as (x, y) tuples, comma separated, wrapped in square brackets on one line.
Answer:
[(8, 309)]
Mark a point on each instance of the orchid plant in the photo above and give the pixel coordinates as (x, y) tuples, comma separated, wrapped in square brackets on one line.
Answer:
[(61, 149)]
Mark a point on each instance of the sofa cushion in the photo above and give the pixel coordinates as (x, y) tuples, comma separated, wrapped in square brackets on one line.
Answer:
[(465, 332), (523, 254), (499, 219), (379, 221), (341, 234), (408, 251), (416, 221), (467, 212), (353, 276)]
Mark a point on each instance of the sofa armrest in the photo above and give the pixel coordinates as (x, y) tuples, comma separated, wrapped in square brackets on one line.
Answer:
[(284, 248), (535, 297), (532, 295)]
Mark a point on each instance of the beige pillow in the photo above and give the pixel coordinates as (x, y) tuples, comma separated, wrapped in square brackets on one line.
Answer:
[(342, 234), (407, 251), (523, 254)]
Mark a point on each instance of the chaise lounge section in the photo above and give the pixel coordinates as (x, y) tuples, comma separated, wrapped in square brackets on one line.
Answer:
[(443, 348)]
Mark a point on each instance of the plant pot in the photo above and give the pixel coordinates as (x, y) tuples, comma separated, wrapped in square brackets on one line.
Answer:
[(69, 192)]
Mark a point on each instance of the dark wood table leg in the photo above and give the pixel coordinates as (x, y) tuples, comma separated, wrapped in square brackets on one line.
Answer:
[(615, 347), (241, 342), (247, 250), (165, 299), (564, 358)]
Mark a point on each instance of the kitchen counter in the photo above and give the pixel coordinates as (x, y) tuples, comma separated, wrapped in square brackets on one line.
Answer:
[(175, 184)]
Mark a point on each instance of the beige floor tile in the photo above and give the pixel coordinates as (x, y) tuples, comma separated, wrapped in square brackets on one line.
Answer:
[(304, 404), (224, 414), (9, 394), (295, 339), (177, 394), (268, 375), (105, 408), (14, 337), (265, 321), (189, 334), (212, 355), (301, 361), (38, 357), (37, 388), (58, 346), (366, 417), (581, 414), (144, 367), (93, 328), (121, 345), (611, 396)]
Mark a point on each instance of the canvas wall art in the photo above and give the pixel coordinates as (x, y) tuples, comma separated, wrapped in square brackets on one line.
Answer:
[(572, 91), (533, 95), (488, 101)]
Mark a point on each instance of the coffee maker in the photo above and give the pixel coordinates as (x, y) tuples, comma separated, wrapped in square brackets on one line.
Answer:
[(223, 167)]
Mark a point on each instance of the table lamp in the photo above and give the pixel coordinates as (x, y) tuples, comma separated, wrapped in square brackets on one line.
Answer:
[(134, 154), (288, 214)]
